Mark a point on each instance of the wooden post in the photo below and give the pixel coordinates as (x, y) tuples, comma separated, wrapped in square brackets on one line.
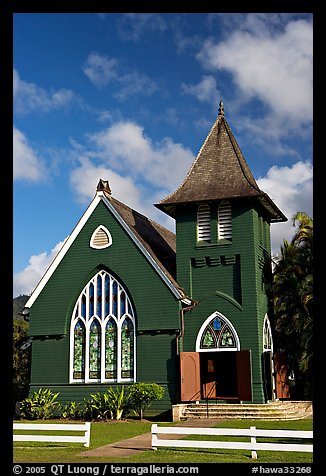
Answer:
[(253, 441), (154, 437)]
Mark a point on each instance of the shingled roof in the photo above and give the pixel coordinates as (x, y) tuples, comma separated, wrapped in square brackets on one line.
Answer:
[(158, 241), (219, 172)]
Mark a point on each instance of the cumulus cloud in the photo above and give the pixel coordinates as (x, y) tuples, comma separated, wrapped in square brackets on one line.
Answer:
[(25, 281), (29, 97), (204, 91), (127, 149), (291, 188), (268, 63), (102, 70), (85, 177), (27, 165)]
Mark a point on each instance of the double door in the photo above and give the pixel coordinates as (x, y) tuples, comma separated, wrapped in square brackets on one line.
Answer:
[(215, 375)]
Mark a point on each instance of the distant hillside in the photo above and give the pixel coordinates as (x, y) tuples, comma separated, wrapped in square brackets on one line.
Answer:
[(18, 304)]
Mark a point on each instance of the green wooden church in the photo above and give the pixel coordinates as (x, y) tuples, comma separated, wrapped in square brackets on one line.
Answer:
[(126, 300)]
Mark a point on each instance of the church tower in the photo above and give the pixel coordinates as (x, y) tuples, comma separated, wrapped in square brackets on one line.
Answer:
[(223, 263)]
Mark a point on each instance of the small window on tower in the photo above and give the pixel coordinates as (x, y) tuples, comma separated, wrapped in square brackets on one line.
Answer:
[(101, 238), (224, 221), (204, 223)]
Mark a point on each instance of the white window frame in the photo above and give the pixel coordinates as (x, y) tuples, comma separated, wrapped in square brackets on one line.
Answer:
[(87, 321), (217, 349), (100, 247), (267, 331)]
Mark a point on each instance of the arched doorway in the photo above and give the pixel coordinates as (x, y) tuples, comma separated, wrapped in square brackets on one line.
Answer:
[(267, 362), (217, 342), (219, 369)]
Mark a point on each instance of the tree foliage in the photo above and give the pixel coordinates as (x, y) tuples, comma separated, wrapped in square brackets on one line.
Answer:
[(293, 304), (21, 361)]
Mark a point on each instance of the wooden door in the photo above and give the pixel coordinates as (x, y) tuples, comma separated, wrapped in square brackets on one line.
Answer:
[(189, 376), (281, 374), (244, 375)]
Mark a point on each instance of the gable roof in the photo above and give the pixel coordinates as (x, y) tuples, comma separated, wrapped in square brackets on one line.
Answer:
[(219, 172), (155, 242)]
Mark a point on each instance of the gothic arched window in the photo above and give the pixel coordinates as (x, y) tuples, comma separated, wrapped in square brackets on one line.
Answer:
[(217, 333), (267, 335), (102, 333)]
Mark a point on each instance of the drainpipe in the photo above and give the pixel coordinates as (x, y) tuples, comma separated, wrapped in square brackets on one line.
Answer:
[(182, 311)]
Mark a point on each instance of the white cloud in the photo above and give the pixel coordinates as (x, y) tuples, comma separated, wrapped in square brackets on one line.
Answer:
[(100, 69), (29, 97), (204, 91), (27, 165), (268, 63), (84, 180), (134, 25), (25, 281), (126, 148), (291, 188)]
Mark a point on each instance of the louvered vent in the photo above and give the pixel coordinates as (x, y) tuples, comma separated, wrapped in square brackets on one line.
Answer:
[(224, 221), (101, 238), (204, 223)]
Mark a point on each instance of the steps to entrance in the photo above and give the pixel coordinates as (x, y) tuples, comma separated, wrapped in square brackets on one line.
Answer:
[(278, 410)]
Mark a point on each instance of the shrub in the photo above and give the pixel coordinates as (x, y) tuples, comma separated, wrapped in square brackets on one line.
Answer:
[(142, 395), (40, 405)]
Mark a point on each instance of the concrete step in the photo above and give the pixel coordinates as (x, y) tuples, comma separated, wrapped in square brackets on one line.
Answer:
[(283, 410)]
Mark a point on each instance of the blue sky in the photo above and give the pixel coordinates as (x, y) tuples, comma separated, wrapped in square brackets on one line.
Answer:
[(130, 97)]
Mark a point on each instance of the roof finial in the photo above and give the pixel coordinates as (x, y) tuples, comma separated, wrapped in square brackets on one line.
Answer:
[(221, 108), (103, 186)]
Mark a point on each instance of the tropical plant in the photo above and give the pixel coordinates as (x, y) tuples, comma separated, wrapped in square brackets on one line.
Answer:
[(71, 410), (119, 402), (293, 299), (111, 404), (40, 405), (142, 395)]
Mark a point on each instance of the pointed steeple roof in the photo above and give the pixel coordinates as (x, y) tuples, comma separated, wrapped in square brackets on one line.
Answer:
[(219, 172)]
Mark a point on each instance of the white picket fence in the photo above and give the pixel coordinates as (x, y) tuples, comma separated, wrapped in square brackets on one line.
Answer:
[(252, 433), (44, 427)]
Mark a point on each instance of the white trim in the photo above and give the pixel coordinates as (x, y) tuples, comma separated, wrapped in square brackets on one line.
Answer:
[(271, 350), (100, 247), (218, 349), (67, 244), (63, 250)]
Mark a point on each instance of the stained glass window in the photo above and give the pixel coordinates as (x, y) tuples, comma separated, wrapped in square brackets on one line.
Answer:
[(217, 334), (111, 350), (127, 351), (103, 332), (95, 350), (267, 335), (79, 350)]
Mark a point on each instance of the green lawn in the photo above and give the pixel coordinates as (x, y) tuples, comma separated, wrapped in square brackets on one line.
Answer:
[(112, 431)]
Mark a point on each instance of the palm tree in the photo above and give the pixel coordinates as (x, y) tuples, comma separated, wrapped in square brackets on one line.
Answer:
[(293, 298)]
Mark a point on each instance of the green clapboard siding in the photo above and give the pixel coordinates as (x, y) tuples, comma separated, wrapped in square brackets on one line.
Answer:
[(155, 307), (227, 276)]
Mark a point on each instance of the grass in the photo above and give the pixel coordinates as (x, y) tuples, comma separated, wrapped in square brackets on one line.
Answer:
[(104, 433)]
